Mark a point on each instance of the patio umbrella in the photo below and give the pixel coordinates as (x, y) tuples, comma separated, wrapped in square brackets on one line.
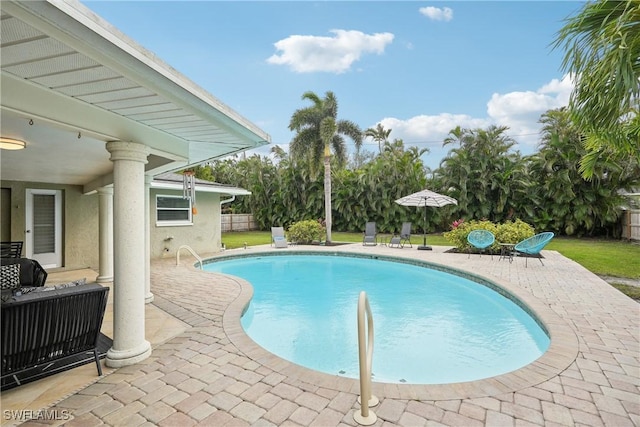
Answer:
[(426, 198)]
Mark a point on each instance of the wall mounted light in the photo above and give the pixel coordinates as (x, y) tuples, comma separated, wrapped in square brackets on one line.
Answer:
[(11, 144)]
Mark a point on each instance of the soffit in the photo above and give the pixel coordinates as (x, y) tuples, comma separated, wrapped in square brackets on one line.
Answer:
[(67, 50)]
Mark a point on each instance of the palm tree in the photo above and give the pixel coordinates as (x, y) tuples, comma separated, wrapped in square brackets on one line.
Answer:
[(602, 47), (565, 201), (318, 131), (378, 134), (279, 153), (479, 172)]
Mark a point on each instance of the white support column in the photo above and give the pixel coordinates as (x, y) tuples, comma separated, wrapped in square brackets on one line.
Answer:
[(129, 344), (105, 238), (148, 296)]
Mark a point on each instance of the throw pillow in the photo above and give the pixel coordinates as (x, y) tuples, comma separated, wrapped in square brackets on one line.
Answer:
[(10, 276), (71, 284)]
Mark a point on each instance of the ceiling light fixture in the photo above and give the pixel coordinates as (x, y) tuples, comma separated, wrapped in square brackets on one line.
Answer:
[(11, 144)]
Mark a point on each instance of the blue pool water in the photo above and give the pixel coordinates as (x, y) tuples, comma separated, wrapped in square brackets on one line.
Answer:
[(431, 327)]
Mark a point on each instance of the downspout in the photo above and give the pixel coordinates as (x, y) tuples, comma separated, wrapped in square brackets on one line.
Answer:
[(222, 202)]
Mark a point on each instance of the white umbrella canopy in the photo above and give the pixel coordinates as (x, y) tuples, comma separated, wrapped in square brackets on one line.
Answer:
[(426, 198)]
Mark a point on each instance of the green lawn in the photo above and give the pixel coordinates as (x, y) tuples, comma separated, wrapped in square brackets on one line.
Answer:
[(629, 290), (618, 258), (603, 257)]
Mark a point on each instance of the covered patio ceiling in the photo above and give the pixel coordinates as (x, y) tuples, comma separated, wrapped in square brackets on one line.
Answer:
[(72, 82)]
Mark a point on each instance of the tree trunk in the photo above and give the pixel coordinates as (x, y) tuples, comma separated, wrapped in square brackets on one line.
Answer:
[(327, 195)]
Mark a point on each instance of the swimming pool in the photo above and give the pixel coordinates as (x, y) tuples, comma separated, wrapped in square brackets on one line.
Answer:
[(431, 327)]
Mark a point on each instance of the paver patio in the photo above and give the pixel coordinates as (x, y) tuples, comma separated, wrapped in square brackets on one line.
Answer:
[(212, 374)]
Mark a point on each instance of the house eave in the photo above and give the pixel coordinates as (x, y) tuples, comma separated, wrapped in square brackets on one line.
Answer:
[(76, 79), (231, 191)]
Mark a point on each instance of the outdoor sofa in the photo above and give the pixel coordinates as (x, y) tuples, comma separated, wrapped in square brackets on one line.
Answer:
[(48, 329)]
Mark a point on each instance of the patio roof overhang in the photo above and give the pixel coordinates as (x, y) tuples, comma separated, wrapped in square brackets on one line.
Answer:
[(72, 82)]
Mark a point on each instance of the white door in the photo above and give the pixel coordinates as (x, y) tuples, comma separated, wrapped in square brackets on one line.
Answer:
[(43, 238)]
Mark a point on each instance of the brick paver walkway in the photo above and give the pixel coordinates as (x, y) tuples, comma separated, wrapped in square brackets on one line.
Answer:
[(214, 375)]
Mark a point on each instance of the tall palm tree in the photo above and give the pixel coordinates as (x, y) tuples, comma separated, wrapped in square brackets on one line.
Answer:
[(318, 131), (378, 134), (602, 47), (561, 199), (479, 173)]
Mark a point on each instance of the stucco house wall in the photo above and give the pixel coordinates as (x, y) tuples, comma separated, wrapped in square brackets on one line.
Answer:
[(203, 236), (80, 224), (79, 221)]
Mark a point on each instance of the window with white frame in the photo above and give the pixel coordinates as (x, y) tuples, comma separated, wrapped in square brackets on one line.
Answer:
[(173, 210)]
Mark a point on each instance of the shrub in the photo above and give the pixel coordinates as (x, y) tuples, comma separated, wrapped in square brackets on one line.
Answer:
[(514, 231), (305, 232), (461, 229), (508, 232)]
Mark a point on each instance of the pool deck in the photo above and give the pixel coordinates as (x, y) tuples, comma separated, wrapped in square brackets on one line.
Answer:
[(211, 373)]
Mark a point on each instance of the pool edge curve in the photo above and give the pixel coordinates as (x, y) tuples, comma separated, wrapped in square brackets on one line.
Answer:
[(563, 347)]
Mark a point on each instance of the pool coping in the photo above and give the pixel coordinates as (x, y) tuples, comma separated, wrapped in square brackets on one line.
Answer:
[(562, 352)]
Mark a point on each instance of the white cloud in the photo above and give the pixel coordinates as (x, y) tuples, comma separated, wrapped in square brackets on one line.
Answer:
[(306, 54), (520, 111), (426, 130), (562, 88), (437, 14)]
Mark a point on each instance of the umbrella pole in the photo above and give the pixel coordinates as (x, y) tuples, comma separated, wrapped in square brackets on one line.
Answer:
[(424, 246)]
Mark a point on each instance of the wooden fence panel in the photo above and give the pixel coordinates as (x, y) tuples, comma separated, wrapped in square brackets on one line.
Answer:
[(238, 222), (631, 224)]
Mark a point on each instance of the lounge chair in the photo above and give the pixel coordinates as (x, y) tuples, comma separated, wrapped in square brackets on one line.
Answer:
[(399, 240), (370, 234), (533, 245), (277, 237), (405, 234), (481, 240)]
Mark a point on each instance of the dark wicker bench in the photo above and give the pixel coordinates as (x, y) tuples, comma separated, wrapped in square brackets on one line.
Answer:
[(39, 328)]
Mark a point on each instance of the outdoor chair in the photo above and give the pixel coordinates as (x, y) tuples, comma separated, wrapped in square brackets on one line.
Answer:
[(403, 238), (481, 240), (533, 245), (277, 237), (370, 234), (10, 249), (405, 234)]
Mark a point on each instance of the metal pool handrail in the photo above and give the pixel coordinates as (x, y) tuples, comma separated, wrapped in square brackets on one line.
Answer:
[(365, 356), (192, 253)]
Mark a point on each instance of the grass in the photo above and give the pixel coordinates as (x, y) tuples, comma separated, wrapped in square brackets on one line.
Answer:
[(603, 257), (632, 292), (237, 239), (616, 258)]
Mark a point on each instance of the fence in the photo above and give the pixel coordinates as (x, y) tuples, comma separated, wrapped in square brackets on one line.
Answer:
[(238, 222), (631, 224), (245, 222)]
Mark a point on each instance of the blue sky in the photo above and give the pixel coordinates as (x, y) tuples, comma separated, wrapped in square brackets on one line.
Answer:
[(419, 68)]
